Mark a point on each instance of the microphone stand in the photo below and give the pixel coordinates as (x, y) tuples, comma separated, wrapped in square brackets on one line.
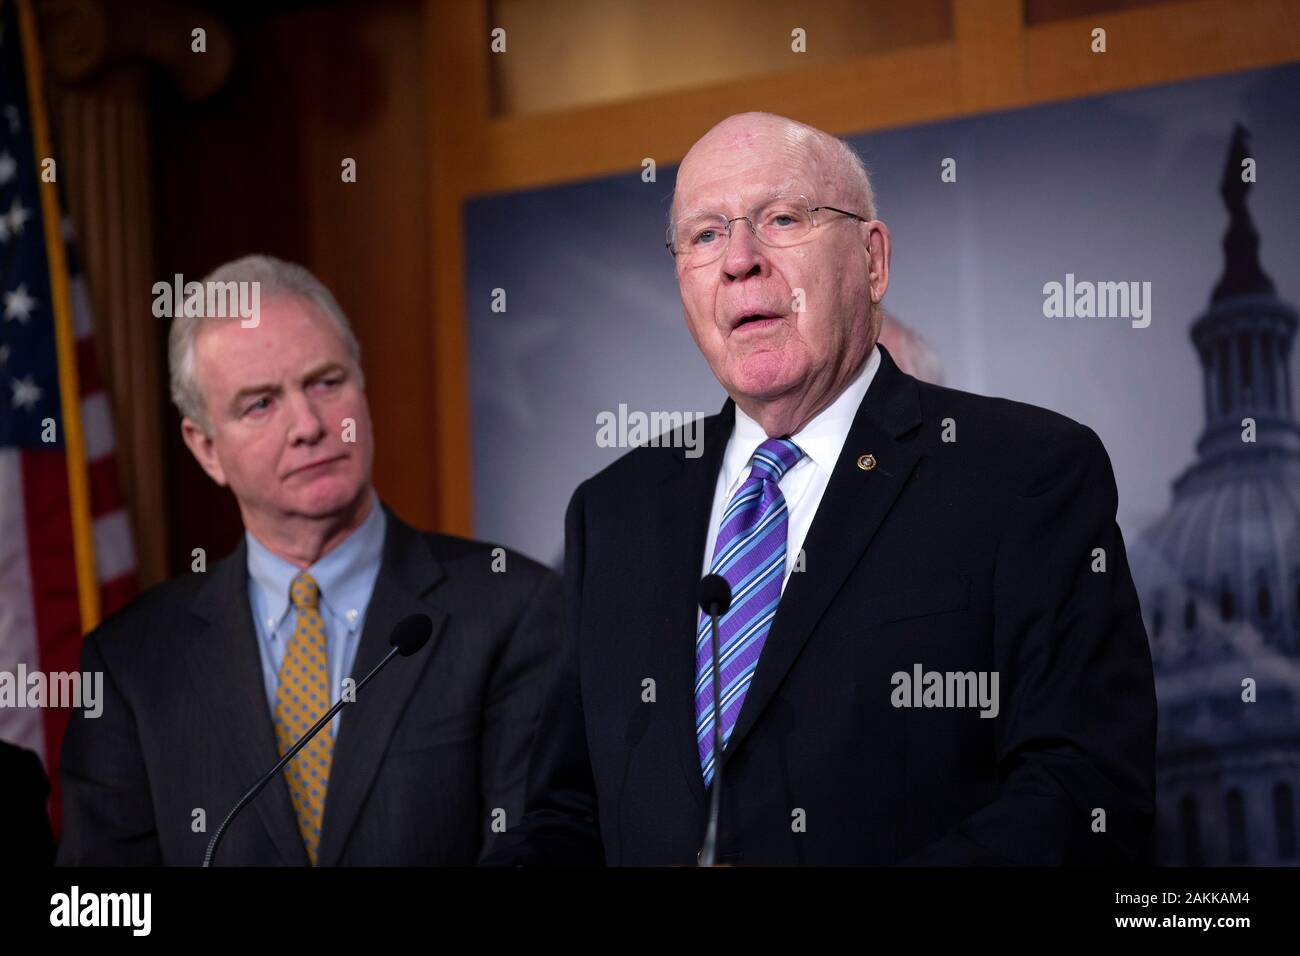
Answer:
[(709, 850), (289, 755)]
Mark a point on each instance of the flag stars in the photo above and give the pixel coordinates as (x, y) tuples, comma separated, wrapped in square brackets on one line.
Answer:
[(4, 355), (18, 215), (8, 168), (18, 304), (11, 115), (26, 392)]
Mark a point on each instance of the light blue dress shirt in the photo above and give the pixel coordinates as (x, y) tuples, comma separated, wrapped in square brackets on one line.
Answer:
[(347, 579)]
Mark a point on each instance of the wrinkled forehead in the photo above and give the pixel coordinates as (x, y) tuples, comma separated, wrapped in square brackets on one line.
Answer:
[(735, 171), (289, 330)]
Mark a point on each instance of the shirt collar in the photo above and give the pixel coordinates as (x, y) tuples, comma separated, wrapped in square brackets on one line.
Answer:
[(822, 439), (346, 575)]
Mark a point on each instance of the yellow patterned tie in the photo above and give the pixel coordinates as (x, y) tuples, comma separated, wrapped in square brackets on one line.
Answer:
[(301, 699)]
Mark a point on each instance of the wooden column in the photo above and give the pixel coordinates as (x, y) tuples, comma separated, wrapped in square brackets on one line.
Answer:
[(457, 44)]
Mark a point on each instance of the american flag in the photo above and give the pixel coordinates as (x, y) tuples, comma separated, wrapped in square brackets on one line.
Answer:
[(48, 387)]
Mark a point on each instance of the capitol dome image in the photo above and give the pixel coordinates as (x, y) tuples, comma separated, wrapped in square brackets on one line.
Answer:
[(1219, 579)]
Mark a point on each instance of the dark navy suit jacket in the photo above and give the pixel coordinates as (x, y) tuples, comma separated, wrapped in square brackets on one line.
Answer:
[(966, 556)]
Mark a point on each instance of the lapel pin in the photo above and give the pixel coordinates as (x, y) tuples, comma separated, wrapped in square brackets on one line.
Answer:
[(867, 462)]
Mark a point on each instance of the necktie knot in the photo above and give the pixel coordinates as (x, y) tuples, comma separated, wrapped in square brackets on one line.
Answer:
[(774, 458), (304, 592)]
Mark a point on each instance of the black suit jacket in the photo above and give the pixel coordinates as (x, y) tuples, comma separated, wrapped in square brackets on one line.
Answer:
[(961, 556), (433, 746)]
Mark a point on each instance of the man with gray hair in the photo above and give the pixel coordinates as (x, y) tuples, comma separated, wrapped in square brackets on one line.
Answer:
[(210, 678), (929, 645)]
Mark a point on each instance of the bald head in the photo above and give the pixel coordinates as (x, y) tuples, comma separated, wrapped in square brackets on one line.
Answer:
[(785, 308), (837, 171)]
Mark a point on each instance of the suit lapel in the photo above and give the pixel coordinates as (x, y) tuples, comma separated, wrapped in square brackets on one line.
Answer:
[(225, 667), (852, 508), (685, 499), (408, 571)]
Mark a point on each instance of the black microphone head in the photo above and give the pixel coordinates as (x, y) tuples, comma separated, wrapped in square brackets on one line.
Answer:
[(715, 594), (411, 633)]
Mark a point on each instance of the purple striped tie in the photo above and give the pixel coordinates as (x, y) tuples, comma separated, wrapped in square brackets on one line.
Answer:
[(750, 554)]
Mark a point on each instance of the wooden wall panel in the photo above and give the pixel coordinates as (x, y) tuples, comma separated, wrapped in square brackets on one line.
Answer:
[(565, 54)]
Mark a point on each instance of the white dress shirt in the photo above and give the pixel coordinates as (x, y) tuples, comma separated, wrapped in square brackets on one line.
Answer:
[(803, 485)]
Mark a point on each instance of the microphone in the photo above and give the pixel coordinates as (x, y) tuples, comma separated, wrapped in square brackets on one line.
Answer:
[(715, 599), (714, 590), (411, 633)]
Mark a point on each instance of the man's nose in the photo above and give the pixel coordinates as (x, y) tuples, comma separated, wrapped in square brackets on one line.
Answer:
[(744, 254), (305, 423)]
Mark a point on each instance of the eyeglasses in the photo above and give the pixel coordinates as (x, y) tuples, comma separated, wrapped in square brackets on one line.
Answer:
[(785, 221)]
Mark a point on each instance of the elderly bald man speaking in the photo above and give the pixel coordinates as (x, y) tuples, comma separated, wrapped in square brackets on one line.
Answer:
[(921, 662)]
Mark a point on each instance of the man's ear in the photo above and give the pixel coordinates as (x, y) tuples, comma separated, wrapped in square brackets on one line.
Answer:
[(877, 249), (204, 450)]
